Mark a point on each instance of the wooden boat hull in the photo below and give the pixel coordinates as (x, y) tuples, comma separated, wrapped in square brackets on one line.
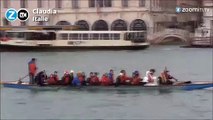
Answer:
[(191, 86)]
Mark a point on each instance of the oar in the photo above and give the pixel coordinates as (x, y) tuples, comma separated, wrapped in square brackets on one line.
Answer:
[(19, 80), (175, 79), (23, 77)]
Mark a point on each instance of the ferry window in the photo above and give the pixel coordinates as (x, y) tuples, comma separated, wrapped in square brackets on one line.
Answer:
[(95, 36), (85, 36), (63, 36), (115, 36), (40, 36), (104, 36), (129, 36), (135, 36), (74, 37), (15, 35)]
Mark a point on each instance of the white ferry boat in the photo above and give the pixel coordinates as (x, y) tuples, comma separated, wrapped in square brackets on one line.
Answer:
[(49, 40)]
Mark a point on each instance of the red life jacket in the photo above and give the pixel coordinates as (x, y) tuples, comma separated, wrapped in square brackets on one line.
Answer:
[(66, 79), (81, 78), (124, 78), (94, 81), (136, 81), (105, 81), (32, 68), (53, 80)]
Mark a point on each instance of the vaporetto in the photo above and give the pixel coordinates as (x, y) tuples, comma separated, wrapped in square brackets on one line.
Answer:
[(43, 11)]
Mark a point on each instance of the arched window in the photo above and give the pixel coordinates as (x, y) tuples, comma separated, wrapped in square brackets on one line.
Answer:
[(137, 25), (100, 25), (63, 23), (82, 24), (119, 25)]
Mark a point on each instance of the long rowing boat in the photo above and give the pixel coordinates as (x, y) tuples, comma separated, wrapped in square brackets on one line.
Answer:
[(184, 86)]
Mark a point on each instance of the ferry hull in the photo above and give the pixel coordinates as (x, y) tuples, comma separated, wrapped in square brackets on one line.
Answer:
[(12, 48)]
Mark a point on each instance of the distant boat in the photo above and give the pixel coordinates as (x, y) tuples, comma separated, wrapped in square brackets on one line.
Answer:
[(63, 40), (186, 86)]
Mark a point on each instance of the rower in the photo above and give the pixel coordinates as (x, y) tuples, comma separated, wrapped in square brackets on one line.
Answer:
[(118, 79), (71, 75), (111, 76), (89, 78), (41, 78), (105, 80), (66, 79), (53, 79), (124, 79), (135, 78), (76, 81), (166, 79), (150, 79), (83, 78), (32, 70), (95, 80)]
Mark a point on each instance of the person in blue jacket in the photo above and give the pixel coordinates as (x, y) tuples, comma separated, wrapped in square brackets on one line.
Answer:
[(76, 81)]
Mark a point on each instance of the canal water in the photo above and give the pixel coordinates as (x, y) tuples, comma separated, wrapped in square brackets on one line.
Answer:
[(184, 63)]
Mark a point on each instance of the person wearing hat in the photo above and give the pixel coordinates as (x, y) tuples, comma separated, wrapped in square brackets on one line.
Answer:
[(165, 78), (32, 70)]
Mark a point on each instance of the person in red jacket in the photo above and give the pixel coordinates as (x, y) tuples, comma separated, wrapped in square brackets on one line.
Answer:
[(95, 80), (136, 78), (124, 78), (66, 79), (82, 77), (105, 80), (53, 80), (32, 70)]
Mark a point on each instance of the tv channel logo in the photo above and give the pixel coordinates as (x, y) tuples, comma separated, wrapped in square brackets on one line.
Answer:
[(22, 14), (178, 9), (11, 14)]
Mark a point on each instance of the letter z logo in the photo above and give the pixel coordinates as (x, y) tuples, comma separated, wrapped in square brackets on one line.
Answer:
[(11, 14)]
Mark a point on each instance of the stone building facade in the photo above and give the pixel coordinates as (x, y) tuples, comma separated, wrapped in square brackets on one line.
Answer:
[(148, 15)]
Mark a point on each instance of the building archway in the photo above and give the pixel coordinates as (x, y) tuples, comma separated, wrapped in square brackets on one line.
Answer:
[(82, 24), (138, 25), (170, 39), (100, 25), (119, 25), (63, 23)]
